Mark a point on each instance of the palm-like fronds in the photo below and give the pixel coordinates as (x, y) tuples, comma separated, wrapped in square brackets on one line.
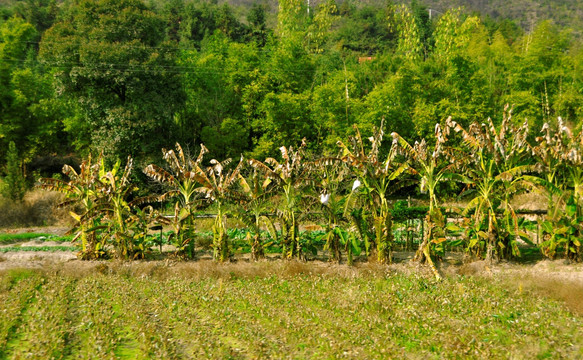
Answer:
[(255, 191), (181, 180), (559, 158), (429, 164), (289, 175), (494, 167), (378, 177), (84, 188)]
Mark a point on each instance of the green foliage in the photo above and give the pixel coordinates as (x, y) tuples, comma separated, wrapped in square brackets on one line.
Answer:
[(82, 189), (166, 71), (106, 221), (558, 153), (255, 191), (331, 177), (8, 238), (428, 164), (129, 78), (410, 42), (37, 248), (217, 186)]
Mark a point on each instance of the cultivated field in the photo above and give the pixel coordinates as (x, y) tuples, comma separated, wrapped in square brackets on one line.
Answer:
[(286, 309)]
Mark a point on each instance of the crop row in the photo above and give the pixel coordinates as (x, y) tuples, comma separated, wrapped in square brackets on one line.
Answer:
[(119, 316)]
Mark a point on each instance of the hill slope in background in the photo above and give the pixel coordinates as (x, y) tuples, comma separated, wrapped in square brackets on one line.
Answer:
[(565, 13)]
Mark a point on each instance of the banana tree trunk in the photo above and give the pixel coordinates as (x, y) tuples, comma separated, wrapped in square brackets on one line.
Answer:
[(423, 254), (491, 242), (221, 241), (257, 251), (384, 235)]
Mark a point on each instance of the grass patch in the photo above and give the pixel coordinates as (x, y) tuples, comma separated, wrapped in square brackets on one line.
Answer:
[(25, 236), (15, 238), (366, 313), (38, 248)]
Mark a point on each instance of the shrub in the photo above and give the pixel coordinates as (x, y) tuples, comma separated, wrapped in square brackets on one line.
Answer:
[(38, 208)]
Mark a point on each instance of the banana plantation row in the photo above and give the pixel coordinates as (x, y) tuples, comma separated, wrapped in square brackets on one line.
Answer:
[(350, 191)]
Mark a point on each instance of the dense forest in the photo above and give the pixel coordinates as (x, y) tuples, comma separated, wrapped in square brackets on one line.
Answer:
[(129, 77)]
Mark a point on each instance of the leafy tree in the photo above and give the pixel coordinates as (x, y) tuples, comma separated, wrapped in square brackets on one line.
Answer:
[(220, 76), (365, 28), (319, 29), (112, 57), (423, 21), (40, 13), (334, 108), (15, 38), (198, 21), (453, 34), (258, 31), (228, 24), (410, 43), (394, 101), (286, 119)]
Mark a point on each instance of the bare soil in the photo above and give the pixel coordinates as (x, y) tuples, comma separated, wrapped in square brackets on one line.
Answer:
[(53, 230)]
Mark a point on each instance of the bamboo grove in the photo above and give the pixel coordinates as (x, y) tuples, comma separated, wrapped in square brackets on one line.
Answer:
[(351, 195)]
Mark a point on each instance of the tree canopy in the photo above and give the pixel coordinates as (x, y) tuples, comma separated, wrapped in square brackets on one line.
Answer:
[(131, 76)]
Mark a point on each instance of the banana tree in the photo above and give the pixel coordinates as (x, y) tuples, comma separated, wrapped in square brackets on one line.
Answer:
[(218, 188), (180, 182), (493, 169), (290, 178), (573, 218), (559, 158), (330, 175), (425, 162), (82, 188), (256, 190), (117, 212), (379, 177)]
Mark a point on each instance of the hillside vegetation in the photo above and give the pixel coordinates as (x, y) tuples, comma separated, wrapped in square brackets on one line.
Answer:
[(130, 77)]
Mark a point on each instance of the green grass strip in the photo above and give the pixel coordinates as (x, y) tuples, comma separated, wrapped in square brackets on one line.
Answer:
[(25, 236), (15, 238), (37, 248)]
